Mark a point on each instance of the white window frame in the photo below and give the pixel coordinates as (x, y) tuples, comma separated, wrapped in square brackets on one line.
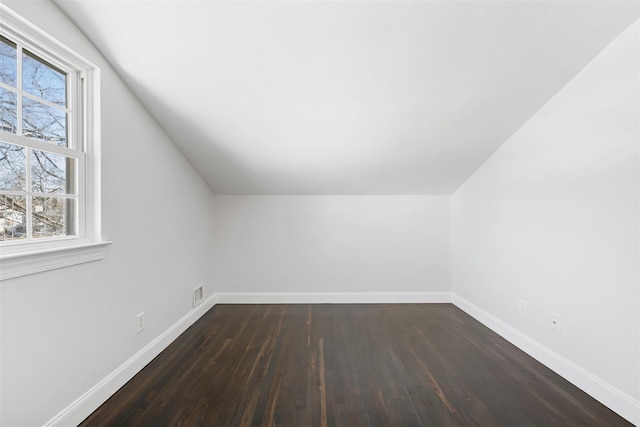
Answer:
[(19, 258)]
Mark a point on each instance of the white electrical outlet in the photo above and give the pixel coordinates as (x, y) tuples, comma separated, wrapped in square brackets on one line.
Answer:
[(140, 323), (555, 323), (198, 295), (522, 308)]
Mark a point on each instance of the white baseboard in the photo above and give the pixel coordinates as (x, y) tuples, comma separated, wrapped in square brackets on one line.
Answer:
[(608, 395), (332, 297), (84, 406), (613, 398)]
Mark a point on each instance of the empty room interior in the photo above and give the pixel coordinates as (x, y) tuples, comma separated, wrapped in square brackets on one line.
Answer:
[(307, 213)]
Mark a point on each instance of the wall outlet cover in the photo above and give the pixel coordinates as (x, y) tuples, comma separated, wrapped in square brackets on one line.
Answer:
[(140, 323), (556, 325), (522, 308)]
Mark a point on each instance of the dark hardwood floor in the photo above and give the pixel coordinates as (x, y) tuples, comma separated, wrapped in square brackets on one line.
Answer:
[(346, 365)]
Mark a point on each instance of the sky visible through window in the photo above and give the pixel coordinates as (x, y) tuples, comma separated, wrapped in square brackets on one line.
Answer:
[(36, 186)]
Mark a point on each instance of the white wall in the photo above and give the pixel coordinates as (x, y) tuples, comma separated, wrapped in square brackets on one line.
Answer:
[(552, 218), (332, 243), (63, 331)]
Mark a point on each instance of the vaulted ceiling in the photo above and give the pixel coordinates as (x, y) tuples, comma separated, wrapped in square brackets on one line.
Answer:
[(332, 97)]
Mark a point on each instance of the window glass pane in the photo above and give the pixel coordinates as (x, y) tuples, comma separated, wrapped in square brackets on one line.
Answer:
[(53, 216), (13, 169), (43, 122), (52, 173), (8, 63), (43, 80), (8, 111), (13, 221)]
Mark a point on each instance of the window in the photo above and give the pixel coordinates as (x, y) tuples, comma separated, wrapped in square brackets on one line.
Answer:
[(49, 193)]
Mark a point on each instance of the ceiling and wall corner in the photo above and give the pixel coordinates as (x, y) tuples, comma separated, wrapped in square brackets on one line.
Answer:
[(321, 97)]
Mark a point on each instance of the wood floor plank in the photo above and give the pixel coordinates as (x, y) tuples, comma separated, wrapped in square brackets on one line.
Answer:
[(346, 365)]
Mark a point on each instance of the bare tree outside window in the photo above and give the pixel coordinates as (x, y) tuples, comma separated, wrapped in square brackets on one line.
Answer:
[(38, 190)]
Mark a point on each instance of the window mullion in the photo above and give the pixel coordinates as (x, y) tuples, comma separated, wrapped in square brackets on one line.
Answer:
[(38, 145), (29, 196), (19, 113), (44, 101), (19, 89)]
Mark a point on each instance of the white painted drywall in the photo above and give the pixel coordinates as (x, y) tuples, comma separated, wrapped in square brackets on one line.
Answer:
[(65, 330), (332, 243), (552, 219)]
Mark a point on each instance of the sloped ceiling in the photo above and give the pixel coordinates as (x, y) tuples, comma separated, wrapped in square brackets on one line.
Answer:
[(330, 97)]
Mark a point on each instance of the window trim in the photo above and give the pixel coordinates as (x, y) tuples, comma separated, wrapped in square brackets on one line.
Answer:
[(27, 257)]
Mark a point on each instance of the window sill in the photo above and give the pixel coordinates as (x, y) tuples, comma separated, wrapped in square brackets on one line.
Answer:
[(22, 264)]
